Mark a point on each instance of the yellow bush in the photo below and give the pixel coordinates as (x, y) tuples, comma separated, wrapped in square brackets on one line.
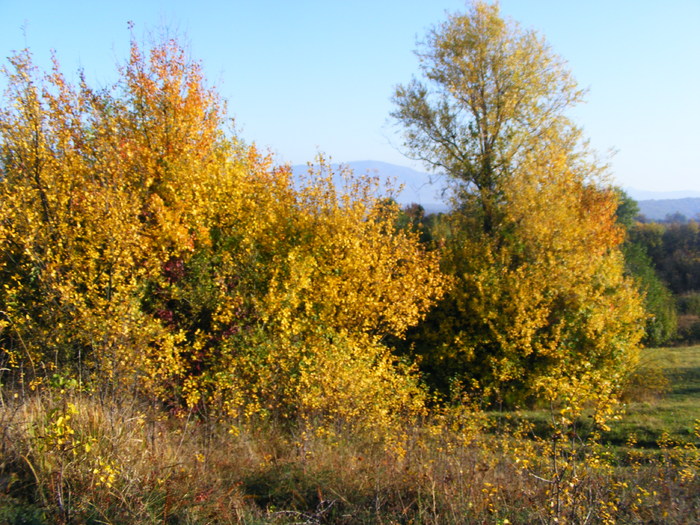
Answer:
[(145, 250)]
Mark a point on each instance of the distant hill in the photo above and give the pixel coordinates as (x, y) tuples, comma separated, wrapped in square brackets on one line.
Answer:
[(658, 209), (645, 195), (426, 190), (419, 187)]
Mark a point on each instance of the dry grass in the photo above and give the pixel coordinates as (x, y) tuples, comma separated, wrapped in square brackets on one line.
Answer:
[(69, 458)]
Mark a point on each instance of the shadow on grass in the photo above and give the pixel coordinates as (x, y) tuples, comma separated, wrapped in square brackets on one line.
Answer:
[(684, 381)]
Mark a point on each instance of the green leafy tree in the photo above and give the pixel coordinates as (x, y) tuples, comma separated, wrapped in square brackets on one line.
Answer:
[(627, 209), (659, 303), (675, 251)]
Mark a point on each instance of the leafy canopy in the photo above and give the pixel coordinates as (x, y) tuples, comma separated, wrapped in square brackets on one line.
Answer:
[(146, 249), (540, 305)]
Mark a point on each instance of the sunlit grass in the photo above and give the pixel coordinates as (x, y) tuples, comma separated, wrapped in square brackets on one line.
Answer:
[(674, 411), (664, 401), (458, 470)]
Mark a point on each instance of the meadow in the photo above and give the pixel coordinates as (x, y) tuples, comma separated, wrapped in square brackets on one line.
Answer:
[(70, 457)]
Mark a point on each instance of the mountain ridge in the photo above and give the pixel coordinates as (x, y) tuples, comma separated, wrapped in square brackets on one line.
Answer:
[(426, 189), (418, 187)]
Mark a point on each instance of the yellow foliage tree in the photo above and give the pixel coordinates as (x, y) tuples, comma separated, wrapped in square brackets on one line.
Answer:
[(540, 305), (145, 249)]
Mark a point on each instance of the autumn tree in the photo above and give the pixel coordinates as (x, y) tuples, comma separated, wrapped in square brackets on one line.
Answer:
[(540, 305), (491, 93), (147, 250)]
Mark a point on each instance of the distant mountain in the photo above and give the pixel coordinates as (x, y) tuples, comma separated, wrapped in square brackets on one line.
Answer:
[(426, 189), (656, 205), (658, 209), (419, 187), (644, 195)]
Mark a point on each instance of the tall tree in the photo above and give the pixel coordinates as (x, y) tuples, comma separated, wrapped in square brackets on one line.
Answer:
[(540, 305), (491, 93)]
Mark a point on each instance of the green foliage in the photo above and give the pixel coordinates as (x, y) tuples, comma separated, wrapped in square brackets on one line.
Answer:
[(689, 303), (674, 249), (680, 265), (674, 253), (659, 303), (689, 309), (627, 209)]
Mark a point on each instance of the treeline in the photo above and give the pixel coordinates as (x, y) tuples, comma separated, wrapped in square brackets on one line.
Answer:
[(672, 250), (146, 249)]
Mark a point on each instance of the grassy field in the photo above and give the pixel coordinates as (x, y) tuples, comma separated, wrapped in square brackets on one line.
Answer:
[(662, 402), (673, 408), (74, 460)]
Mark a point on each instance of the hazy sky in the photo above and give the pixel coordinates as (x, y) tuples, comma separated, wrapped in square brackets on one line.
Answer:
[(303, 77)]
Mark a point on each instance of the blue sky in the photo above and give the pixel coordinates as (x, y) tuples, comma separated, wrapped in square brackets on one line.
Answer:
[(303, 77)]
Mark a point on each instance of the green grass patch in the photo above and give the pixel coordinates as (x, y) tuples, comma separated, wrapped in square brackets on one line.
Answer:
[(673, 412), (663, 402)]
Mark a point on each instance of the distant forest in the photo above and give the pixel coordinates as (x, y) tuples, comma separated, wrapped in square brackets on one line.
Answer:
[(672, 249)]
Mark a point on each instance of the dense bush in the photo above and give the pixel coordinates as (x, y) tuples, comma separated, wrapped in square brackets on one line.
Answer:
[(540, 306), (145, 250)]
